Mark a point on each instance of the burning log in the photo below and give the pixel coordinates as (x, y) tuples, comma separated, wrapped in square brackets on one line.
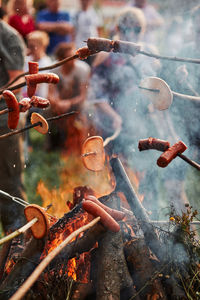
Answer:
[(40, 268), (112, 272), (144, 275), (3, 257), (23, 268), (123, 184)]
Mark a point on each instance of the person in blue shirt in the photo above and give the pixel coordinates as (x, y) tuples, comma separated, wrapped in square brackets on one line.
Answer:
[(56, 23)]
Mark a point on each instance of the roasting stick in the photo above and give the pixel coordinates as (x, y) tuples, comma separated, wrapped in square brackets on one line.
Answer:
[(161, 148), (3, 136), (5, 111), (40, 268), (102, 44), (53, 66), (18, 231), (81, 53), (179, 95), (20, 201), (96, 45)]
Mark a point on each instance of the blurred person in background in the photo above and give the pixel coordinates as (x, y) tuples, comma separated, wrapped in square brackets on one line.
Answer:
[(115, 101), (37, 43), (20, 16), (68, 95), (87, 24), (12, 50), (154, 20), (185, 78), (56, 23), (3, 14)]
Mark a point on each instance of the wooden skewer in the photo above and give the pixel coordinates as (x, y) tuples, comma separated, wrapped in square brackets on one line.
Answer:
[(18, 231), (11, 133), (53, 66), (40, 268), (179, 95), (5, 111)]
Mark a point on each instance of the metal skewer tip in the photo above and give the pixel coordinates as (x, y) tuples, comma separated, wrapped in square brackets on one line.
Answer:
[(88, 154), (148, 89)]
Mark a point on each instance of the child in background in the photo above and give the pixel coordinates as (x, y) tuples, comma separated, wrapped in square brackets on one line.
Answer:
[(21, 18), (37, 42)]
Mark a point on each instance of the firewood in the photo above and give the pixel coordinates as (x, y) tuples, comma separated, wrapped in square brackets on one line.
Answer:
[(142, 271), (23, 268), (123, 184), (112, 271), (45, 262), (81, 245), (3, 257)]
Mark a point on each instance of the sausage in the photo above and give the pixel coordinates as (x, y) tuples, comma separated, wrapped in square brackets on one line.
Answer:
[(167, 156), (34, 79), (83, 52), (24, 104), (152, 143), (99, 44), (31, 88), (33, 67), (13, 106), (116, 214), (39, 102), (126, 47), (95, 210)]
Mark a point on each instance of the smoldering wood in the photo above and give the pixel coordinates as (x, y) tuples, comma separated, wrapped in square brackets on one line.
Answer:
[(81, 291), (142, 270), (112, 271), (24, 266), (123, 184), (3, 258), (59, 226), (80, 245)]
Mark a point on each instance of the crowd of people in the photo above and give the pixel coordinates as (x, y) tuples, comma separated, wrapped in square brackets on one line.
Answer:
[(105, 87)]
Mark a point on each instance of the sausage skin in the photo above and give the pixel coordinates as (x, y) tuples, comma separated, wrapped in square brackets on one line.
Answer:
[(167, 156), (116, 214), (13, 106), (33, 79), (24, 104), (95, 210), (33, 67), (39, 102), (153, 143)]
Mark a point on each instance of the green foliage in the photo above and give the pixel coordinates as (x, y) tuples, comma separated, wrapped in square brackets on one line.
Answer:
[(41, 165)]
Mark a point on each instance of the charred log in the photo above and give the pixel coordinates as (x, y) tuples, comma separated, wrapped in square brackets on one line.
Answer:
[(25, 265), (3, 257), (81, 245), (123, 184), (112, 271), (145, 276)]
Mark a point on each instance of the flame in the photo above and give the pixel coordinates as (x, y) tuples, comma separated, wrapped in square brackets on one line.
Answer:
[(74, 174)]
